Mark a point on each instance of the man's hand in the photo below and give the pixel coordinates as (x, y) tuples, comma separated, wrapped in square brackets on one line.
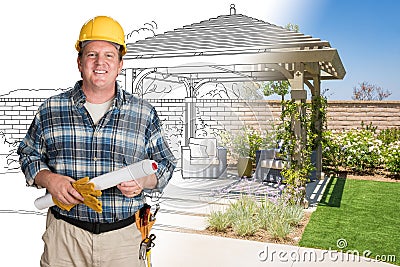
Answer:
[(59, 186), (135, 187)]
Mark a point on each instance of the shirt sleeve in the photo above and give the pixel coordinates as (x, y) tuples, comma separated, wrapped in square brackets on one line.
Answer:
[(159, 151), (31, 151)]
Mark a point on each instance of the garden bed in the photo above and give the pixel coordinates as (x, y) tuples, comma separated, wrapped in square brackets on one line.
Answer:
[(263, 236), (296, 235)]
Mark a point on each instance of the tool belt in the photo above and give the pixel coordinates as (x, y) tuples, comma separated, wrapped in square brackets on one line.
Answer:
[(145, 220), (95, 228)]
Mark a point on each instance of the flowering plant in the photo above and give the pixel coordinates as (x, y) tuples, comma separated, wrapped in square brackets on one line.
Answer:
[(392, 157), (362, 150)]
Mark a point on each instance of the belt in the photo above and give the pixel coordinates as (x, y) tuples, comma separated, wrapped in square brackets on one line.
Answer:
[(95, 228)]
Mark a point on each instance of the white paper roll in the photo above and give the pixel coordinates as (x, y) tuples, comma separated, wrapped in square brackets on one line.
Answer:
[(43, 202), (108, 180)]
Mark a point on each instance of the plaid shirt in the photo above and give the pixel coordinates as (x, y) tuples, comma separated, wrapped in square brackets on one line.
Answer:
[(64, 139)]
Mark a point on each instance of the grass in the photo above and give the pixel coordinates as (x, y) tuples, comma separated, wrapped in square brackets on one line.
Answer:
[(366, 214)]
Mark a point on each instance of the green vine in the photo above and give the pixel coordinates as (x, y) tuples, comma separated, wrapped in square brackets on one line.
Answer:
[(298, 150), (319, 106)]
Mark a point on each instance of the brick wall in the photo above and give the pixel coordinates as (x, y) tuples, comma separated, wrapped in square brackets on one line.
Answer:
[(232, 115), (16, 114), (349, 114)]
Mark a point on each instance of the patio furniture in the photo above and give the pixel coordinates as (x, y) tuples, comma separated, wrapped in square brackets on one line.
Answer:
[(202, 158), (268, 166)]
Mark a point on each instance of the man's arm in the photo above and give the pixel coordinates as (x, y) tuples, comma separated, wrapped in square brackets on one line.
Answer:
[(33, 160)]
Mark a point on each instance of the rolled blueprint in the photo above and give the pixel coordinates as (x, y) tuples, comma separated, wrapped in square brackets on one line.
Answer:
[(108, 180)]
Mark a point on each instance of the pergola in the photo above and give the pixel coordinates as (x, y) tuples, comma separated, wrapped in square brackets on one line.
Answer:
[(233, 48)]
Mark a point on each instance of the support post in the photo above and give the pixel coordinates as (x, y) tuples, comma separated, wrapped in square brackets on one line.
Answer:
[(299, 95), (190, 111), (190, 107), (316, 94), (190, 119), (129, 77)]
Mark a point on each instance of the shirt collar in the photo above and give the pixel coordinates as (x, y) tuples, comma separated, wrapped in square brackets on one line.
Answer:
[(79, 98)]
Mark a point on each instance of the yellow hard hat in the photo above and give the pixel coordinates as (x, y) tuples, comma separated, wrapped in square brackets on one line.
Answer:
[(102, 28)]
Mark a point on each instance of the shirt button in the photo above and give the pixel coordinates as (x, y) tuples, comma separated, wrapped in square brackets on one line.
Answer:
[(95, 158)]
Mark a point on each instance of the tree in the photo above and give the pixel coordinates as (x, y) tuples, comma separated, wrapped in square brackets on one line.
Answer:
[(276, 87), (292, 27), (367, 91)]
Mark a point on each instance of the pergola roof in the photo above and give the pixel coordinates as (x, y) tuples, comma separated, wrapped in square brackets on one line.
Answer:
[(234, 48)]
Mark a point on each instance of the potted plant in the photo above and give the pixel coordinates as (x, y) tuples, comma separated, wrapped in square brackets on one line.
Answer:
[(270, 147), (245, 144)]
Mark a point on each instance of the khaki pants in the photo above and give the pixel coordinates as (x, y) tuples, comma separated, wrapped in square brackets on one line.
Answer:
[(66, 245)]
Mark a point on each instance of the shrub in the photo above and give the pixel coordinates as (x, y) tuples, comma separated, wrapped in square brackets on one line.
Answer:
[(218, 221), (242, 216), (391, 157), (358, 150), (246, 206), (268, 211), (244, 226), (362, 150), (332, 150), (279, 218), (293, 214), (246, 142), (8, 153), (388, 136), (279, 228), (246, 217)]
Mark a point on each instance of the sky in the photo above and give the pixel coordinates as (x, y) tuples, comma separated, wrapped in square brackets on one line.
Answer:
[(367, 36), (39, 36)]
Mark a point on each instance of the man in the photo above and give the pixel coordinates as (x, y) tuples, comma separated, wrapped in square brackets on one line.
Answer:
[(92, 129)]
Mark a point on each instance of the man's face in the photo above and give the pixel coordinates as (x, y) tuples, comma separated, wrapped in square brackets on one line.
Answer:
[(99, 65)]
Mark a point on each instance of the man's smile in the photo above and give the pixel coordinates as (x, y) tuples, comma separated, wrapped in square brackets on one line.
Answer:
[(100, 71)]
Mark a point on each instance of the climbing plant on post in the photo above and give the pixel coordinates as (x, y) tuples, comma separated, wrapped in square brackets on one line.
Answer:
[(318, 119), (299, 168)]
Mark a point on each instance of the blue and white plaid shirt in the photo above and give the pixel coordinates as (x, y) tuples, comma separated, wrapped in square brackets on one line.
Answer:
[(64, 139)]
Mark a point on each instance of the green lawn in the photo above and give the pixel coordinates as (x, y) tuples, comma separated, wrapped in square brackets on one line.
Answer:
[(364, 213)]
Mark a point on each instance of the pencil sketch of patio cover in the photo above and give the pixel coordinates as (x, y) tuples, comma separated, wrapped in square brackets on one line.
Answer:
[(234, 48)]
